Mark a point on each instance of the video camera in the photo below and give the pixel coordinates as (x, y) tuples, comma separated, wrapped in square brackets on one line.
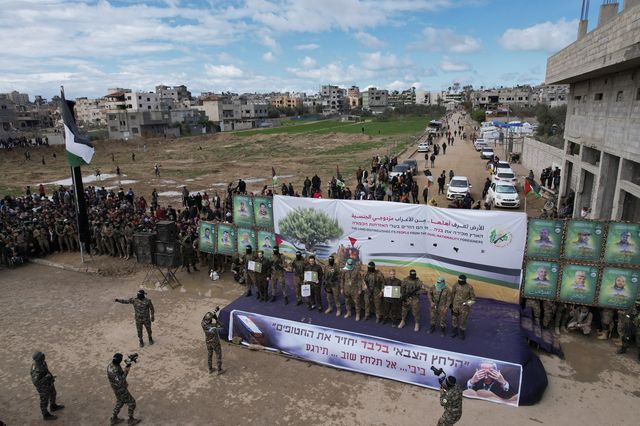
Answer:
[(442, 376), (131, 358), (215, 313)]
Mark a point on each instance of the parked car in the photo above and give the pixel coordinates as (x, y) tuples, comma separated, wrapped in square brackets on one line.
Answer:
[(502, 195), (413, 165), (479, 144), (398, 170), (486, 153), (423, 147), (458, 187), (504, 176)]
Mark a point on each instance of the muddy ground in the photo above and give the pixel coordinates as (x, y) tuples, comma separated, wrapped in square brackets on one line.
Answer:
[(72, 317)]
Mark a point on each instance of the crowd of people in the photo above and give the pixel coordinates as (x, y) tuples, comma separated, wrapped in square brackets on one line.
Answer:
[(23, 142), (619, 326)]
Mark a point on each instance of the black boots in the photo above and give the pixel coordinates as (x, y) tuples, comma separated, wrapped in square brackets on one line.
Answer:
[(141, 343), (150, 340), (442, 330), (49, 416), (56, 407), (454, 333), (286, 300), (248, 293), (462, 334), (432, 329)]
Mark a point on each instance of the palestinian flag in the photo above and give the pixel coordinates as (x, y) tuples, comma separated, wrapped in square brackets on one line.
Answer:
[(79, 150), (530, 185), (274, 178)]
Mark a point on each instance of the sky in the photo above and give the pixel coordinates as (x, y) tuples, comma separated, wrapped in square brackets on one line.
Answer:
[(278, 45)]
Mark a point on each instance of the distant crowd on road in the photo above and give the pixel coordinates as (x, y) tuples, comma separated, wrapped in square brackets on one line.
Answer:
[(23, 142)]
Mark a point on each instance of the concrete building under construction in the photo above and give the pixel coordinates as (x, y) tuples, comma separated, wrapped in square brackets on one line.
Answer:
[(601, 155)]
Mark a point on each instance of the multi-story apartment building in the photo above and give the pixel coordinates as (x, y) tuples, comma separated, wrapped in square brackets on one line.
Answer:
[(333, 99), (375, 100), (601, 156)]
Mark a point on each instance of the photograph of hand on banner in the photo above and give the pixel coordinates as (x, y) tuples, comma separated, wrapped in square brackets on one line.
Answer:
[(489, 380), (618, 288), (578, 284), (544, 238), (226, 239), (263, 212), (541, 280), (206, 238), (243, 210), (246, 238), (583, 240), (622, 243)]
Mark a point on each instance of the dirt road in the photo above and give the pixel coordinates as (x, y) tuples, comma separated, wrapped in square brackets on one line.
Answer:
[(72, 318)]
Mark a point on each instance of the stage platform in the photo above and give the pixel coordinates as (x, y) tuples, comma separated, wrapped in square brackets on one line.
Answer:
[(493, 334)]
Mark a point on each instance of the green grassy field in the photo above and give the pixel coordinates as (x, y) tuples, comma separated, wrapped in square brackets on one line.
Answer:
[(391, 127)]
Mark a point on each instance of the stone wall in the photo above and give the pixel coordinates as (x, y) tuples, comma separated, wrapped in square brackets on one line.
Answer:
[(537, 156)]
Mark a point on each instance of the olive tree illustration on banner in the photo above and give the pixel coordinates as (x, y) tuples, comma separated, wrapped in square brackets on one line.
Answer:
[(309, 227)]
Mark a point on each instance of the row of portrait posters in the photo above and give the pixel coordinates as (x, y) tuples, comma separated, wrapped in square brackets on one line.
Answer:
[(583, 241), (251, 211), (573, 283), (228, 239)]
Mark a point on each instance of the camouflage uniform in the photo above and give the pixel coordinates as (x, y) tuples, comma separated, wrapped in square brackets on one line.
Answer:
[(118, 380), (392, 306), (99, 248), (351, 284), (127, 232), (118, 238), (212, 340), (411, 288), (439, 303), (461, 293), (561, 316), (332, 277), (549, 309), (451, 400), (315, 299), (534, 304), (249, 276), (374, 290), (277, 277), (144, 315), (261, 277), (630, 326), (69, 237), (606, 318), (43, 381), (107, 239), (298, 276), (59, 227)]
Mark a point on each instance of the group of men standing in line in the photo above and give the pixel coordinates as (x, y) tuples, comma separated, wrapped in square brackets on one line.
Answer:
[(363, 291)]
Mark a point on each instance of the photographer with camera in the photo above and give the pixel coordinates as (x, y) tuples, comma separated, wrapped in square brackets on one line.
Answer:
[(118, 380), (450, 398), (210, 327)]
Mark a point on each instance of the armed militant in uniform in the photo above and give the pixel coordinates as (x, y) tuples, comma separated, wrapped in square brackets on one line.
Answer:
[(43, 381), (332, 286), (313, 277), (210, 327), (143, 312), (374, 287), (118, 380), (277, 275), (439, 296), (451, 400), (411, 288), (351, 288), (298, 276), (462, 297)]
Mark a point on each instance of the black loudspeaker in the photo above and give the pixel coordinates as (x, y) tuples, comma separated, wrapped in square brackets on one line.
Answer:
[(168, 248), (167, 231), (168, 260), (145, 246)]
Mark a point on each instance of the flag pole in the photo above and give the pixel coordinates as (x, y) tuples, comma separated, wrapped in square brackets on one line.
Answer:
[(75, 192)]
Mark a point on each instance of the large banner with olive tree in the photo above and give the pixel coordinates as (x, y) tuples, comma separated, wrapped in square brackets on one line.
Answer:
[(487, 246)]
